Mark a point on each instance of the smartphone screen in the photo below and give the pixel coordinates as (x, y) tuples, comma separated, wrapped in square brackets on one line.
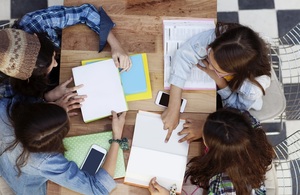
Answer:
[(164, 100), (92, 161)]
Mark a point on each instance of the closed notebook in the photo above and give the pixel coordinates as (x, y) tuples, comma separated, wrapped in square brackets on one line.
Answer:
[(78, 146), (102, 85), (136, 81)]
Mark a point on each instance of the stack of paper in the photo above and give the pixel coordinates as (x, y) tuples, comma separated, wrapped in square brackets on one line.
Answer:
[(151, 157), (177, 32), (78, 146), (136, 81)]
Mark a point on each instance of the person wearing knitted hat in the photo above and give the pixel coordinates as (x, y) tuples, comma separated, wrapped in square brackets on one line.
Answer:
[(25, 61), (47, 24)]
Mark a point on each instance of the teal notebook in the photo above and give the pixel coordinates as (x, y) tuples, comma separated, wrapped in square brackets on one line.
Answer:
[(78, 146), (133, 81)]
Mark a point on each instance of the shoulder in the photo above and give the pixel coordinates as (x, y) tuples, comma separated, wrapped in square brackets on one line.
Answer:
[(221, 184), (250, 89)]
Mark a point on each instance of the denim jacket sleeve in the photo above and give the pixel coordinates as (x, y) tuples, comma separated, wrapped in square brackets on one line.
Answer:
[(188, 55), (53, 19), (248, 96), (57, 168)]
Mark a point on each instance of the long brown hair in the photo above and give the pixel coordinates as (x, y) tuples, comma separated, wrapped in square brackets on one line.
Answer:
[(39, 127), (234, 148), (239, 50)]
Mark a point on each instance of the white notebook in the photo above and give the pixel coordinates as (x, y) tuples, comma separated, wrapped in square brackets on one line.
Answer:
[(151, 157), (177, 32), (102, 85)]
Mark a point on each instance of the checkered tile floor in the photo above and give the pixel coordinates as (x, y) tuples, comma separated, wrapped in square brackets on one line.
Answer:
[(271, 18)]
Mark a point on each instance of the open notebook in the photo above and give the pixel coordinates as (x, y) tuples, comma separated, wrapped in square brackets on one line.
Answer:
[(177, 32), (151, 157), (78, 146)]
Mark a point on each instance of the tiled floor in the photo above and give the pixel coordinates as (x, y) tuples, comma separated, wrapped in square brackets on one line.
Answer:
[(271, 18)]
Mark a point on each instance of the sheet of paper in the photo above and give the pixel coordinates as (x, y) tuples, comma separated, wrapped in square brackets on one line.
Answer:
[(103, 88), (176, 32), (149, 133)]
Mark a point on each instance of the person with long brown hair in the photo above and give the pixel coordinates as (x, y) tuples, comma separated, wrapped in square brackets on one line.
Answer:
[(32, 150), (236, 158), (234, 56)]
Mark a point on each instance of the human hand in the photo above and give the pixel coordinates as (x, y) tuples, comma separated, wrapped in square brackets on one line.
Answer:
[(170, 120), (118, 121), (193, 130), (221, 82), (70, 101), (121, 59), (156, 189), (61, 90)]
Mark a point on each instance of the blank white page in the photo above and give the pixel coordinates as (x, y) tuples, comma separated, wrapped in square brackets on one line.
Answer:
[(103, 88), (149, 133), (145, 164)]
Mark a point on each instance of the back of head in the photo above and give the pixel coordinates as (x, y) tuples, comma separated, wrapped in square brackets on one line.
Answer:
[(241, 51), (18, 53), (40, 127), (232, 143)]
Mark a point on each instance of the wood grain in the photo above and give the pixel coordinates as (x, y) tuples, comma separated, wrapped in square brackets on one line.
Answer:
[(139, 30)]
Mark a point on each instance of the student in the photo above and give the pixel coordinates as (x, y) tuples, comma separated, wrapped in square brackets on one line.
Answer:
[(32, 151), (25, 61), (52, 20), (47, 24), (234, 56), (236, 158)]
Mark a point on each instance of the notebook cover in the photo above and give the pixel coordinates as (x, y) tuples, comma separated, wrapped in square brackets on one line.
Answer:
[(78, 146)]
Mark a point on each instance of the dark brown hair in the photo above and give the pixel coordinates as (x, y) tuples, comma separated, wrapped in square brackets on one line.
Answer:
[(232, 143), (39, 127), (239, 50)]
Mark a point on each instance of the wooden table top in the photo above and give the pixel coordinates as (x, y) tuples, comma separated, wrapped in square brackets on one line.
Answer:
[(139, 30)]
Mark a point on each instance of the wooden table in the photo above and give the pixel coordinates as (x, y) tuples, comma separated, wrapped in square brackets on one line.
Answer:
[(139, 30)]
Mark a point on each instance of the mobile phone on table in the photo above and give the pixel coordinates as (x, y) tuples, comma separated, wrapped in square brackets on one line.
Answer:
[(162, 99), (93, 159)]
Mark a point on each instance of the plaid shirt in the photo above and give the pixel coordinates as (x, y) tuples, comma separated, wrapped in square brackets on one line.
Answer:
[(53, 19), (220, 184)]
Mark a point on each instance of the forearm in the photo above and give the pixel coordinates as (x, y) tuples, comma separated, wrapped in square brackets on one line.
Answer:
[(113, 41), (175, 98), (111, 159)]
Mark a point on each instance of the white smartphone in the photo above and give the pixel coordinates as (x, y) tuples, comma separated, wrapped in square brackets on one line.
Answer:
[(162, 99), (93, 159)]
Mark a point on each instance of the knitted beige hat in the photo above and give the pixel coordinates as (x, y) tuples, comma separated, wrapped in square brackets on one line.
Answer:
[(18, 53)]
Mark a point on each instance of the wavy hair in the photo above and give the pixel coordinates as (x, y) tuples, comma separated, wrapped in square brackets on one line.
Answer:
[(39, 127), (239, 50), (234, 148)]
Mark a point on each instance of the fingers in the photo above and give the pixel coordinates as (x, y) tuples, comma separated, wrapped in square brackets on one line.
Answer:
[(67, 82), (122, 61), (151, 185), (168, 135)]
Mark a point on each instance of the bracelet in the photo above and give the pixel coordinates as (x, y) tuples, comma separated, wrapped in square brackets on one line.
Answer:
[(173, 189), (122, 142)]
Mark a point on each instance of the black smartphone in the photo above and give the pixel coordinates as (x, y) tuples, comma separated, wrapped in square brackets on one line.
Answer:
[(94, 159)]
